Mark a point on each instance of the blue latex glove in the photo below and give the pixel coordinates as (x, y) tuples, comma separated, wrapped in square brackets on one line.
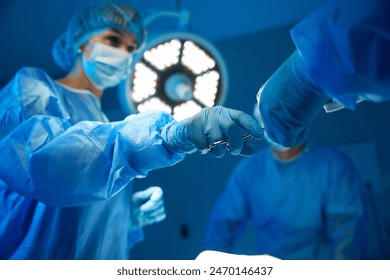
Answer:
[(148, 207), (289, 102), (209, 126)]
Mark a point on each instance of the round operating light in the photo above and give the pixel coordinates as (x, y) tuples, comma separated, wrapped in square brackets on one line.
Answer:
[(180, 73)]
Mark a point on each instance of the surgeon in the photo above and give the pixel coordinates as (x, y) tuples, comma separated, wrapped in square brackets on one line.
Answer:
[(66, 172), (306, 203), (341, 58)]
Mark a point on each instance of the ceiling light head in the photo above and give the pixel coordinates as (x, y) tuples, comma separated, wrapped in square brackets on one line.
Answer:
[(180, 73)]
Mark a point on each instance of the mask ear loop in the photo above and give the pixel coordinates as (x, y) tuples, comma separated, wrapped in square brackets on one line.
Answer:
[(129, 64)]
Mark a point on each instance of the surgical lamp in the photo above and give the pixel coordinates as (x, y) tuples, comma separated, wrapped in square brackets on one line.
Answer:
[(177, 72)]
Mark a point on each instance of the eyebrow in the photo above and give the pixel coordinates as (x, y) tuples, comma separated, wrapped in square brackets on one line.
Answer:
[(121, 33)]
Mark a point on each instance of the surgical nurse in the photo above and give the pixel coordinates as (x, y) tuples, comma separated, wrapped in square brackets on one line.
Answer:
[(66, 172)]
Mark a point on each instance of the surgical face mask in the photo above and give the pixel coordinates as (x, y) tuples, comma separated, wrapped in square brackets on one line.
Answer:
[(106, 66), (274, 145)]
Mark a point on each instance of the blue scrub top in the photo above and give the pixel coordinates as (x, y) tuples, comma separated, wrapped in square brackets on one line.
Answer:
[(312, 207)]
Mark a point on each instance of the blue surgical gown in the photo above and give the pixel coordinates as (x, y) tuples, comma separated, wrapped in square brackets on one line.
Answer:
[(345, 46), (312, 207), (65, 175)]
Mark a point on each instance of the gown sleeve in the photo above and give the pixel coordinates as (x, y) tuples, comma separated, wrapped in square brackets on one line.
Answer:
[(344, 45), (47, 157)]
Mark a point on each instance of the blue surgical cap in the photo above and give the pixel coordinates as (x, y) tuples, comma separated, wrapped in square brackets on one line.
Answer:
[(92, 20)]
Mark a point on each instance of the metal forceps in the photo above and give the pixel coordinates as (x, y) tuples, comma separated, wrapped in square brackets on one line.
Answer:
[(226, 143)]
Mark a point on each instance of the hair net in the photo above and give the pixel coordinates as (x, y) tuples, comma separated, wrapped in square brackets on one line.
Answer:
[(91, 20)]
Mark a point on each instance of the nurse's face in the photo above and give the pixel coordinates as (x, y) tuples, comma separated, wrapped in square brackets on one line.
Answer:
[(106, 58)]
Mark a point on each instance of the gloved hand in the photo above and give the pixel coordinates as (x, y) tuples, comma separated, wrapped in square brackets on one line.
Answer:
[(289, 102), (209, 126), (147, 207)]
